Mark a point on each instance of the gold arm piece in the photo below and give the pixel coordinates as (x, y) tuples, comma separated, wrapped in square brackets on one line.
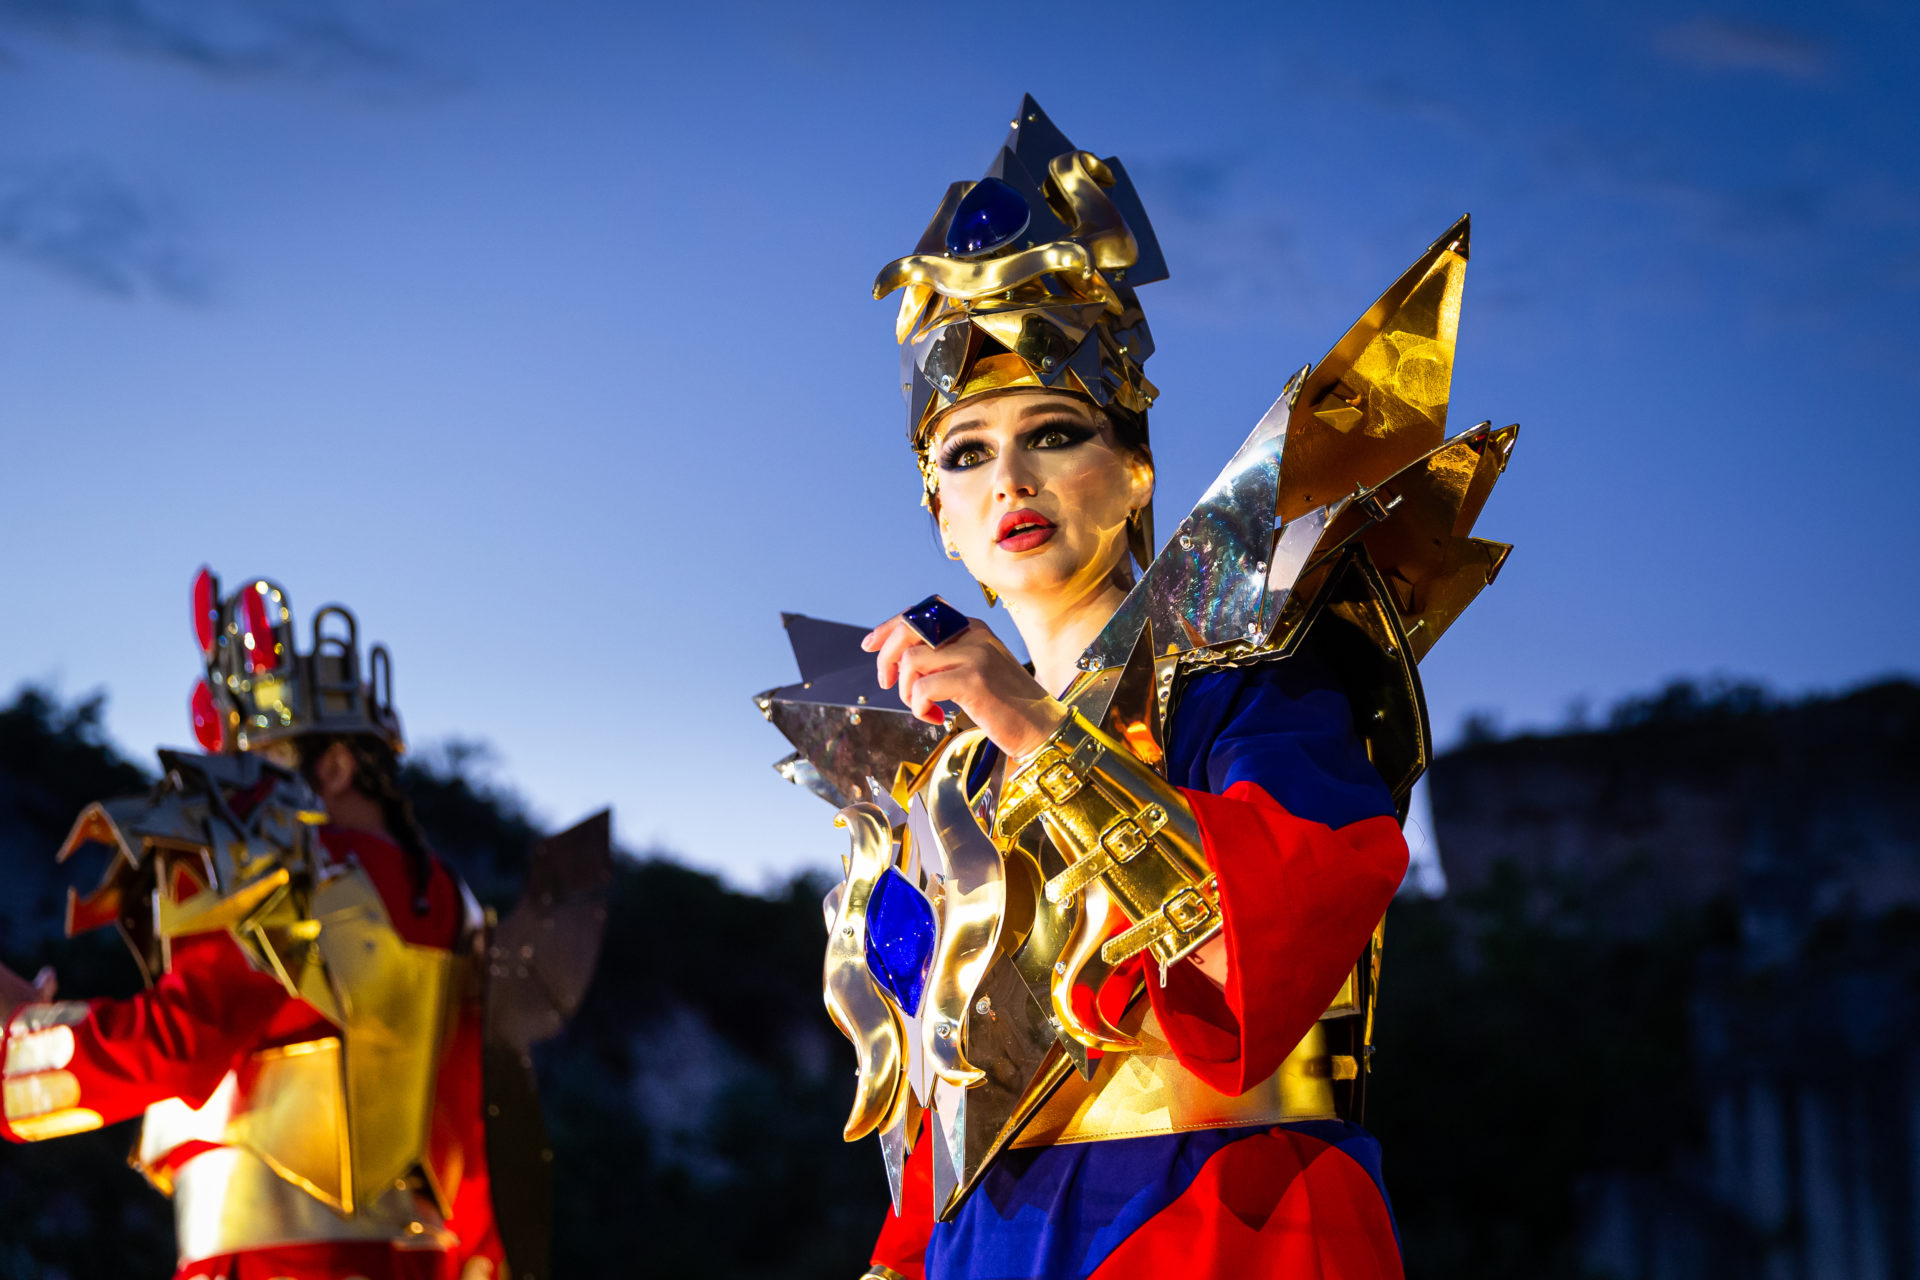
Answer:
[(1117, 820), (39, 1098), (853, 1002)]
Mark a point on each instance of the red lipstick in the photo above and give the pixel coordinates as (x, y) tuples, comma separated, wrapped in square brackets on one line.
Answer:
[(1023, 530)]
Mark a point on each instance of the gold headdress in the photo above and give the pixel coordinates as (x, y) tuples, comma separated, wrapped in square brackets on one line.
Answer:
[(259, 688), (1026, 279)]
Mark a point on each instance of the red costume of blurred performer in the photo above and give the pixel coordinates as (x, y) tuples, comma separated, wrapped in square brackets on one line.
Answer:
[(308, 1053)]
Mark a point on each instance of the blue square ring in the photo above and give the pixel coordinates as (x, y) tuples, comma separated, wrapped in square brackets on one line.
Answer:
[(935, 621)]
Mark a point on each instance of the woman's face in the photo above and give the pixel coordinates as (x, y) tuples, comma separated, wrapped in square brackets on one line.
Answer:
[(1034, 492)]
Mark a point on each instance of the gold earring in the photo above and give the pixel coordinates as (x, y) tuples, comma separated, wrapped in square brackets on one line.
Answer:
[(992, 597), (953, 552)]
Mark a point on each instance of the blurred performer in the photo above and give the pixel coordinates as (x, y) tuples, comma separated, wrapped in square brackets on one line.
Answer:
[(308, 1055), (1108, 939)]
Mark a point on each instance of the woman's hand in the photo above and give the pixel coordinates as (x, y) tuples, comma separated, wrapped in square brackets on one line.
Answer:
[(16, 991), (974, 670)]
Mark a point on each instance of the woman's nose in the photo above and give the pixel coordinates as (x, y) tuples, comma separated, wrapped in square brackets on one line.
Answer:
[(1011, 478)]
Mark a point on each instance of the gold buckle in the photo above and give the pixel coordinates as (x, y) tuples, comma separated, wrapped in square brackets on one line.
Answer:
[(1187, 910), (1059, 781), (1124, 839)]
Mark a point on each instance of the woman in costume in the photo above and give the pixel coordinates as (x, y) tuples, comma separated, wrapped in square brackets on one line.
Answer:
[(307, 1055), (1108, 938)]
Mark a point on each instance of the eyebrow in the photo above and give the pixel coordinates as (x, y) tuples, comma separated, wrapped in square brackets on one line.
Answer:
[(1052, 404)]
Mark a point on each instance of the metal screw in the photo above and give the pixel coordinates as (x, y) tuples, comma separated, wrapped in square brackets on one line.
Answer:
[(944, 1030), (946, 382), (853, 717), (1060, 967), (983, 1005), (1186, 540)]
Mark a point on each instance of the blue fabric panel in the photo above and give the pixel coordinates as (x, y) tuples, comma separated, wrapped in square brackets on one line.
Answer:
[(1284, 726), (1056, 1213)]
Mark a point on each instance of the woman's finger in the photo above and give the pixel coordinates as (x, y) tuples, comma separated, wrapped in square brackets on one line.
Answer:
[(916, 664), (872, 641), (897, 642), (930, 689), (948, 684)]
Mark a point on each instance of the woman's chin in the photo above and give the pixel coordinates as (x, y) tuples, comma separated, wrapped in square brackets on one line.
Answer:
[(1035, 577)]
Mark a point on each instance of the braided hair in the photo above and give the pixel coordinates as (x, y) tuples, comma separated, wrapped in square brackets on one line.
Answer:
[(376, 774)]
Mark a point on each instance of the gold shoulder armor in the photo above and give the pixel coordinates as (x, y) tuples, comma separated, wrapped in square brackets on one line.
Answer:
[(221, 843), (1348, 501)]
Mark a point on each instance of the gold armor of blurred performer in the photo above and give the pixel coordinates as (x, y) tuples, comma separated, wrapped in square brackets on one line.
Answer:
[(227, 843)]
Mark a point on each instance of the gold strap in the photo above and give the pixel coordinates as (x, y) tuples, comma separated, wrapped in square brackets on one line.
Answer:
[(1117, 821)]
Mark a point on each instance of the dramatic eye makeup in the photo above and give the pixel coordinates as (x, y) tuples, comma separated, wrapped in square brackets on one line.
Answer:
[(963, 454), (967, 452)]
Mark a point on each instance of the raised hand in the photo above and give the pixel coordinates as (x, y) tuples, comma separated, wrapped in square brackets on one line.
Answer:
[(974, 670)]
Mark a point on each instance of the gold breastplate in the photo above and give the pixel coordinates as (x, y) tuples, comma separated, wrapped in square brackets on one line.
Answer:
[(344, 1118)]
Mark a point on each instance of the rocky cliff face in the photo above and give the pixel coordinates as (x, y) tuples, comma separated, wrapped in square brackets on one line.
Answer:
[(1797, 812), (1772, 853)]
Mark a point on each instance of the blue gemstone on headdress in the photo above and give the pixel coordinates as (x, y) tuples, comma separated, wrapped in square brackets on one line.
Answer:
[(992, 214), (900, 937)]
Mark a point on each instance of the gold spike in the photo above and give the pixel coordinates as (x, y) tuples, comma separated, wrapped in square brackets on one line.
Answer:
[(1392, 369)]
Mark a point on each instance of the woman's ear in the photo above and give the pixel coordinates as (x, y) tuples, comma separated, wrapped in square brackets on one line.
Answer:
[(334, 772), (1141, 481)]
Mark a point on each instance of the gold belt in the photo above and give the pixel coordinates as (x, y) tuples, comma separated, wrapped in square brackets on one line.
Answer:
[(1148, 1092), (228, 1201)]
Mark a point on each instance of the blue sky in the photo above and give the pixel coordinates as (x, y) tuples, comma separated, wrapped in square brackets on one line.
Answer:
[(540, 335)]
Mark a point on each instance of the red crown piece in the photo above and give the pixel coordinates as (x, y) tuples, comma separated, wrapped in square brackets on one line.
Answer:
[(206, 609), (209, 726), (262, 652)]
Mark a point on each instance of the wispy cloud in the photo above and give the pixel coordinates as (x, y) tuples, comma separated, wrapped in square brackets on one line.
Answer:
[(1719, 44), (90, 228), (216, 37)]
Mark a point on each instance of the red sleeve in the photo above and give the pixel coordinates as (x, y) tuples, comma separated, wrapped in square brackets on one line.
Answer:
[(74, 1066), (902, 1246), (1299, 900)]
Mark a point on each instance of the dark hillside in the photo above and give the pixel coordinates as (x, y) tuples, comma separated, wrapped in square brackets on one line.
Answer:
[(1665, 1023)]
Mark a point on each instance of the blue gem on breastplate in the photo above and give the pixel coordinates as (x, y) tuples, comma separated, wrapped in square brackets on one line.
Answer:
[(990, 215), (900, 937)]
